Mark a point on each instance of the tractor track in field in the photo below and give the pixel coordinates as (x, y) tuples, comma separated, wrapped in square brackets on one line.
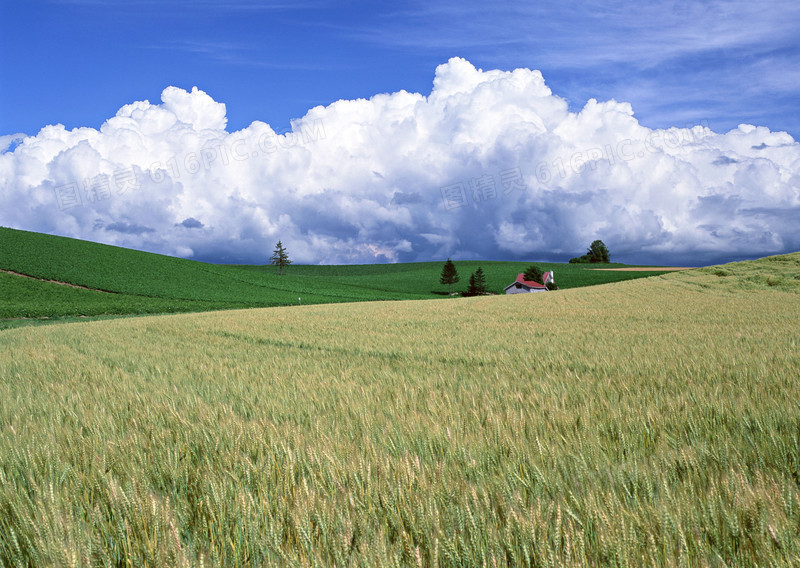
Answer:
[(60, 283)]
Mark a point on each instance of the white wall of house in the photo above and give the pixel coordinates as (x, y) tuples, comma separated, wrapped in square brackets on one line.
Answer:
[(522, 289)]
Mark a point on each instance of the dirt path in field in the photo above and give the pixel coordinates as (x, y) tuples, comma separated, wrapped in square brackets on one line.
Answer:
[(57, 282), (645, 269)]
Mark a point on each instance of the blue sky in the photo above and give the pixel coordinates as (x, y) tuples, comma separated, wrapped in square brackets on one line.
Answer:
[(407, 121), (76, 62)]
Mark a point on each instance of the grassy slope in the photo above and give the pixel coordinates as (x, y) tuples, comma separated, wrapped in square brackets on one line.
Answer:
[(641, 423), (151, 283), (150, 275), (24, 297)]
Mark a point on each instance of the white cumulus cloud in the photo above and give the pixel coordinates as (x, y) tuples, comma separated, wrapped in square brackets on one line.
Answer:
[(490, 164)]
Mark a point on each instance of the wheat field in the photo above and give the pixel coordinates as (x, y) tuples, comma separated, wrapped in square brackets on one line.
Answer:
[(643, 423)]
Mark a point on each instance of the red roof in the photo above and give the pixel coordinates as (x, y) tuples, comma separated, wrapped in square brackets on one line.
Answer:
[(529, 283)]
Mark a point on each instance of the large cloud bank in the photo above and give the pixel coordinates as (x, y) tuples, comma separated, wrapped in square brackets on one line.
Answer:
[(490, 164)]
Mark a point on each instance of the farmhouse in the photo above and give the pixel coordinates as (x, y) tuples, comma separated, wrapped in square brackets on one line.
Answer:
[(522, 286)]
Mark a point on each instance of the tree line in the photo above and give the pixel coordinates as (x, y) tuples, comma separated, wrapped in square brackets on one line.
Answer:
[(598, 252)]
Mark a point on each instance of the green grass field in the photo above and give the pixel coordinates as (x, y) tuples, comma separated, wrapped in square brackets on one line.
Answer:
[(149, 283), (643, 423)]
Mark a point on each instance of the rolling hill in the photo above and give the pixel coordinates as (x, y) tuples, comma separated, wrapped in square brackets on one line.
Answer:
[(116, 281), (641, 423)]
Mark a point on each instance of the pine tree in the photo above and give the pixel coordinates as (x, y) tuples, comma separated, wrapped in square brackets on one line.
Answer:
[(280, 257), (480, 281), (471, 288), (449, 275), (477, 283)]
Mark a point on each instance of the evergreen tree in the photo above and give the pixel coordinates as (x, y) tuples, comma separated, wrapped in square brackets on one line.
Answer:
[(477, 283), (533, 274), (471, 288), (449, 275), (280, 257)]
